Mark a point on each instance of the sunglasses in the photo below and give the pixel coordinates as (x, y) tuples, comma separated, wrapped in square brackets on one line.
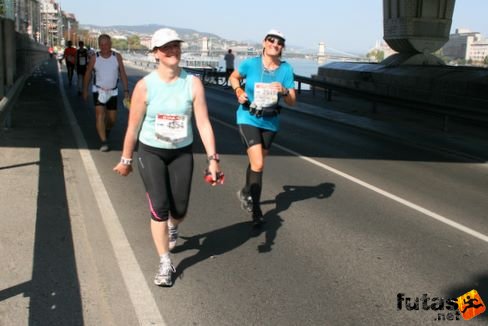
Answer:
[(271, 39), (168, 46)]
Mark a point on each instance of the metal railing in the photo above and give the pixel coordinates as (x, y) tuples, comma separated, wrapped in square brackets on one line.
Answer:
[(468, 113)]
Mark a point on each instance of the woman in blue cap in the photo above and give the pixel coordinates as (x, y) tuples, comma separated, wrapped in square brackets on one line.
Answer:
[(268, 79)]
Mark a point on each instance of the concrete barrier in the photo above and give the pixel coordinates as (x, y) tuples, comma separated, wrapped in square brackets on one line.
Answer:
[(19, 56)]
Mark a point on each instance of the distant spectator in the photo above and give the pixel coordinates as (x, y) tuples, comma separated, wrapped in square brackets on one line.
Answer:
[(229, 65)]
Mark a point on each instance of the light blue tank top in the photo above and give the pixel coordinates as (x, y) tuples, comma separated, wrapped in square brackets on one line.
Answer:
[(167, 123)]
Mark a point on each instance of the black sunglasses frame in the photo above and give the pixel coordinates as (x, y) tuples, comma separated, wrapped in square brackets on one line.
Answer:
[(272, 39)]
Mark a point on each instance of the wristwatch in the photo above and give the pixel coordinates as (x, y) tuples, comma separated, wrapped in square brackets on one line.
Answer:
[(286, 92), (215, 157)]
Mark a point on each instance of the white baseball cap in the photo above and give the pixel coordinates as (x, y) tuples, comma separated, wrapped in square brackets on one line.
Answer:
[(163, 36), (274, 32)]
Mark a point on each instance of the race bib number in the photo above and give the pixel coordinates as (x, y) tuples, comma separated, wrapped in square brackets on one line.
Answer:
[(265, 95), (82, 61), (171, 127), (105, 94)]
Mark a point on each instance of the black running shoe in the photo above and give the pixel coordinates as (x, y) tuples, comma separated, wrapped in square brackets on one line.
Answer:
[(246, 201), (257, 218)]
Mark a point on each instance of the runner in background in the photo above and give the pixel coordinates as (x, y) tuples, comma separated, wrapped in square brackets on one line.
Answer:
[(70, 59), (107, 67), (82, 59)]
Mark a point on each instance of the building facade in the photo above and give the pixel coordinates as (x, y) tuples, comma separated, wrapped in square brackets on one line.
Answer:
[(42, 20), (467, 45)]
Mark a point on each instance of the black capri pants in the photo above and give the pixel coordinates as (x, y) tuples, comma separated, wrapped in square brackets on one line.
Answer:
[(167, 176)]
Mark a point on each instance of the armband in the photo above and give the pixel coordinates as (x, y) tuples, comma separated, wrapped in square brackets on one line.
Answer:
[(126, 161)]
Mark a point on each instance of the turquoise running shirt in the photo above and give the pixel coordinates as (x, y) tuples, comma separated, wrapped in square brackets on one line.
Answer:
[(253, 71), (167, 123)]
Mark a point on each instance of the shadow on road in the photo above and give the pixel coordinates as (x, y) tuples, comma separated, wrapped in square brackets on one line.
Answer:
[(283, 201), (226, 239), (54, 289)]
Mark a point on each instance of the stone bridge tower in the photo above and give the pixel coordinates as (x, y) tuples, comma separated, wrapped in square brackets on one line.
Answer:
[(416, 29)]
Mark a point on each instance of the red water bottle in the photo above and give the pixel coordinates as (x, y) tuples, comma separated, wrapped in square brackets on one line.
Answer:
[(208, 177)]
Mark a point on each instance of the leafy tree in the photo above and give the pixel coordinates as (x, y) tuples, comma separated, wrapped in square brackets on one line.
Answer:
[(119, 44), (376, 55), (131, 43), (135, 43), (486, 60)]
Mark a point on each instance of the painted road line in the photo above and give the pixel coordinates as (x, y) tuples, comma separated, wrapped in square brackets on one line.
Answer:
[(141, 297)]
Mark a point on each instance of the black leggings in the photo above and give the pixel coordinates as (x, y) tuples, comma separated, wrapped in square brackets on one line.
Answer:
[(167, 175)]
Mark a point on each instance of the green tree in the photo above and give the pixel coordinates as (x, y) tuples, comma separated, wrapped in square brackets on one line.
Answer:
[(119, 44), (135, 43), (376, 55), (486, 60)]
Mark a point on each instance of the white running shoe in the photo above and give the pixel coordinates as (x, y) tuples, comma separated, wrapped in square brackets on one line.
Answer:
[(164, 277)]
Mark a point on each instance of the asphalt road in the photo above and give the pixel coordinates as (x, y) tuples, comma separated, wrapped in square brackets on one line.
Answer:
[(359, 227)]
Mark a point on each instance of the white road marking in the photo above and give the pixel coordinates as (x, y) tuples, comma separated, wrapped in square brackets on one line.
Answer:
[(420, 209), (141, 297)]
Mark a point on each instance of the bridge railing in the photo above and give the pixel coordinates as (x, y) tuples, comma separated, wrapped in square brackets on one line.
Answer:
[(468, 113)]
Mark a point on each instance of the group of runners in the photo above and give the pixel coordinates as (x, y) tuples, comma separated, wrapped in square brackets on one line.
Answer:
[(162, 107)]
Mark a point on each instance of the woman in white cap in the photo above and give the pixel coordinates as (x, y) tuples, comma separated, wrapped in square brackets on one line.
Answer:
[(268, 79), (163, 103)]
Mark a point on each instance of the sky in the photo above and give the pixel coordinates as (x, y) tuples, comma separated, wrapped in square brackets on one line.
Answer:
[(351, 26)]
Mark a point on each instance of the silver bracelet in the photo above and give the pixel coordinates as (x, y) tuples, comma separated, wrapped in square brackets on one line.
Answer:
[(126, 161)]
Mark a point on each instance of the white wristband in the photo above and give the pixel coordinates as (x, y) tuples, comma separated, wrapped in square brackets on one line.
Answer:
[(126, 161)]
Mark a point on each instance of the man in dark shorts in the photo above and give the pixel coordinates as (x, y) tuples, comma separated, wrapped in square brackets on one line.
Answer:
[(107, 66), (81, 64)]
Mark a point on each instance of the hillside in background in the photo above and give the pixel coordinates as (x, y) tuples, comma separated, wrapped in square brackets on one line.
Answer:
[(187, 34), (147, 30)]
